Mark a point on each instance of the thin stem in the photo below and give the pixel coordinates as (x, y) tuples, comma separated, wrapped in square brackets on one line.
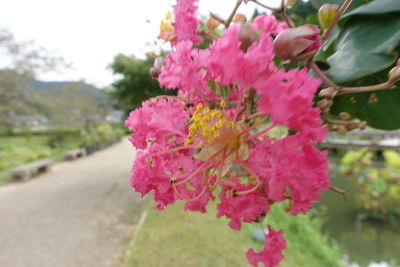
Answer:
[(381, 86), (286, 18), (188, 199), (266, 7), (340, 191), (255, 115), (338, 122), (201, 167), (229, 20), (324, 78), (342, 9), (220, 170), (170, 96), (216, 17), (254, 188), (252, 173), (172, 150), (254, 125), (261, 133), (237, 109), (208, 35)]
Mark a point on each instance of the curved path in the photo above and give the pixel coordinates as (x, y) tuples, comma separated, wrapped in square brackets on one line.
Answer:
[(80, 214)]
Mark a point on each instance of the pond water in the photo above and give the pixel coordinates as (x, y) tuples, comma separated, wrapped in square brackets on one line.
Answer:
[(365, 243)]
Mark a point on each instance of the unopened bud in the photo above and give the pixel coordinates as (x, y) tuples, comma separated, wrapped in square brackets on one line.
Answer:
[(156, 69), (290, 3), (394, 74), (326, 14), (362, 125), (239, 18), (342, 130), (213, 23), (344, 116), (297, 44), (328, 93), (325, 103), (247, 36)]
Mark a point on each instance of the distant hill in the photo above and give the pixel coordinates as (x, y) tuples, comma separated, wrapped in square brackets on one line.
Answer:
[(82, 89), (59, 102)]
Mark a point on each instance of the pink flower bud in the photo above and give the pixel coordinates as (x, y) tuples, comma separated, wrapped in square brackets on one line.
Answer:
[(298, 43), (247, 35), (156, 69)]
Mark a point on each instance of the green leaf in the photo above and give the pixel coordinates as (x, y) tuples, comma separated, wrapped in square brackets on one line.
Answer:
[(319, 3), (212, 85), (365, 46), (380, 186), (376, 7), (349, 65), (360, 106), (378, 35), (356, 3)]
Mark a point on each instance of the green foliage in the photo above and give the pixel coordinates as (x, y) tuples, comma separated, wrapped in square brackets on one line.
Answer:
[(135, 84), (13, 156), (360, 52), (100, 134), (191, 239), (20, 149), (364, 48), (378, 188), (376, 7)]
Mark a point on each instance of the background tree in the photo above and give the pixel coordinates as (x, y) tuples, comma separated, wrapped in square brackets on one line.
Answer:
[(136, 83)]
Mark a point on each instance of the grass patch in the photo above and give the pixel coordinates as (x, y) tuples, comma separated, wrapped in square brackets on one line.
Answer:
[(174, 238), (17, 150)]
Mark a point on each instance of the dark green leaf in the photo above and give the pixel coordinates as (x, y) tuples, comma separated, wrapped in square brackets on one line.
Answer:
[(376, 7), (365, 46), (319, 3), (349, 65), (382, 114), (356, 3), (212, 85), (375, 34)]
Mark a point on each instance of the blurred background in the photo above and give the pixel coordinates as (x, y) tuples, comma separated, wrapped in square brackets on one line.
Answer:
[(70, 72)]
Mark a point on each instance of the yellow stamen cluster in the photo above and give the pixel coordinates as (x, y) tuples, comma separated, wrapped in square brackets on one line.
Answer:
[(206, 123), (166, 27)]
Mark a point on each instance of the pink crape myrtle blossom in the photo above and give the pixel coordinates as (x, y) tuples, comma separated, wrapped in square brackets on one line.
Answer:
[(288, 99), (217, 133), (160, 120), (183, 70), (269, 24), (299, 172), (271, 255), (186, 21), (237, 208)]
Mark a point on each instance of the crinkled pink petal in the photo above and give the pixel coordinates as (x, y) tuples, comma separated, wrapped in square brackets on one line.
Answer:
[(299, 171), (271, 255), (288, 99), (158, 119), (237, 207), (269, 24), (186, 21)]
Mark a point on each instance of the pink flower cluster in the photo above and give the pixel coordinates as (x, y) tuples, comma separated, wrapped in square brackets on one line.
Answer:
[(218, 131)]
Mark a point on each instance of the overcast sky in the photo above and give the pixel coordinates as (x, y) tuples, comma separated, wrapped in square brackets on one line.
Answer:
[(89, 33)]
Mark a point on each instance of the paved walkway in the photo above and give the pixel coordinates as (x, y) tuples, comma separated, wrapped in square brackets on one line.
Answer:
[(80, 214)]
